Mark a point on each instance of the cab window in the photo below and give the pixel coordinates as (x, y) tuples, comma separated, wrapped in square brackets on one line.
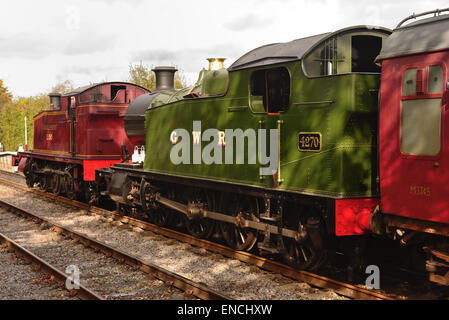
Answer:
[(72, 102), (344, 53), (55, 101), (270, 90)]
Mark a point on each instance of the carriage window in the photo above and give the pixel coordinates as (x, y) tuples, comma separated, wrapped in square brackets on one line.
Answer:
[(421, 127), (421, 118), (270, 90), (409, 82), (435, 79)]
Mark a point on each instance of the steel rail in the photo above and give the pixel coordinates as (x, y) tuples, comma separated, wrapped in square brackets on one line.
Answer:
[(83, 293), (341, 288), (166, 276)]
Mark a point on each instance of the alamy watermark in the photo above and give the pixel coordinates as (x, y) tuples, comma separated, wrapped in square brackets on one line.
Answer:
[(373, 280), (73, 18), (73, 280), (187, 147)]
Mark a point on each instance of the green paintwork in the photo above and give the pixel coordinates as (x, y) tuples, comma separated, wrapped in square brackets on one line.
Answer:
[(343, 108)]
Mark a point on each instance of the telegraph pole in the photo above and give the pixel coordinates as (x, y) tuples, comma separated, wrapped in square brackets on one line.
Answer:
[(26, 143)]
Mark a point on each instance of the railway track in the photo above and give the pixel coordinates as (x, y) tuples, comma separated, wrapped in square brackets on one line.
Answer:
[(169, 278), (23, 279), (344, 289), (13, 176), (45, 266)]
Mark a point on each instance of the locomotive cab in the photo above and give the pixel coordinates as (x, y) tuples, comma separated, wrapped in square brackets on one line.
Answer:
[(352, 52)]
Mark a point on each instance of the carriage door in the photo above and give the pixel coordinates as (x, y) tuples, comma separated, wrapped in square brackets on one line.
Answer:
[(422, 161)]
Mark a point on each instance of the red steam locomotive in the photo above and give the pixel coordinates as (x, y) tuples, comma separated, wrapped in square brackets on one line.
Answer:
[(83, 131)]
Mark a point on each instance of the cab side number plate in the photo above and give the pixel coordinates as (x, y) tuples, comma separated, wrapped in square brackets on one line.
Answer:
[(309, 141)]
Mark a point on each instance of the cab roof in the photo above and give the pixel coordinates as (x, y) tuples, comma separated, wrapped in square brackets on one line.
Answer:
[(80, 90), (293, 50)]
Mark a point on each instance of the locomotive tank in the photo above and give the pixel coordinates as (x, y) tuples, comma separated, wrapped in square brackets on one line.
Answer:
[(209, 83)]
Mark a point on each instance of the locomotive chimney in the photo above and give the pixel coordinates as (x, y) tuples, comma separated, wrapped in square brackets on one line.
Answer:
[(165, 78)]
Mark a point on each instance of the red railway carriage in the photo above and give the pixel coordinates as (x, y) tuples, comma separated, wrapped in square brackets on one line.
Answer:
[(413, 132), (414, 146), (82, 131)]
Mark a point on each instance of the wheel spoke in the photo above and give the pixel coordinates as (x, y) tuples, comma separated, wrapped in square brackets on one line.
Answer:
[(302, 254), (236, 237)]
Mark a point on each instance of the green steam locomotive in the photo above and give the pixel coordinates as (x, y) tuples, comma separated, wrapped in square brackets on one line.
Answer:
[(277, 153)]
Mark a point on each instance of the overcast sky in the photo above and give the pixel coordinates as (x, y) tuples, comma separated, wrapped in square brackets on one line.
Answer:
[(46, 42)]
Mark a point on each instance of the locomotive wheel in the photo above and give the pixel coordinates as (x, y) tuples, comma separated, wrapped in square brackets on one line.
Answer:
[(41, 181), (156, 215), (30, 180), (202, 227), (177, 220), (238, 238), (303, 253), (70, 185), (30, 177), (299, 255), (89, 192), (45, 183), (145, 197), (163, 215), (55, 180)]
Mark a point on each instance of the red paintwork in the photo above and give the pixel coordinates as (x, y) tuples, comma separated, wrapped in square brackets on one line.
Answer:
[(412, 186), (352, 216), (99, 129), (22, 162), (90, 166)]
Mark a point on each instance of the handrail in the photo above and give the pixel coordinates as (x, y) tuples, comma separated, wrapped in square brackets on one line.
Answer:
[(414, 16)]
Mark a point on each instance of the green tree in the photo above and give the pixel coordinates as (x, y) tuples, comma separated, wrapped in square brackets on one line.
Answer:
[(12, 117), (5, 96), (142, 75), (63, 87), (12, 120)]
